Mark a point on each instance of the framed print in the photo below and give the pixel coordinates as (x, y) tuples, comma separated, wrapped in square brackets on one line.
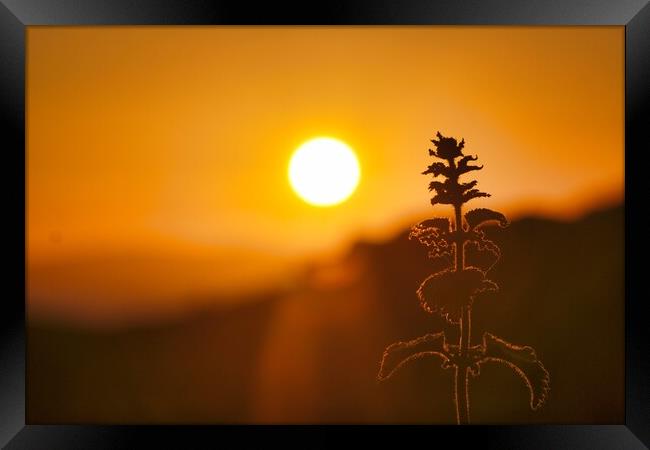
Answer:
[(237, 220)]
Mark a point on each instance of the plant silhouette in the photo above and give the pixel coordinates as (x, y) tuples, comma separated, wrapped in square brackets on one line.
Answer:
[(451, 291)]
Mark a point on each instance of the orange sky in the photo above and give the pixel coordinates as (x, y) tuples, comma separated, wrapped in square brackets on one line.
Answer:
[(176, 140)]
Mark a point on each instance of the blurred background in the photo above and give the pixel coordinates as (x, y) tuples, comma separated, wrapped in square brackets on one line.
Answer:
[(173, 276)]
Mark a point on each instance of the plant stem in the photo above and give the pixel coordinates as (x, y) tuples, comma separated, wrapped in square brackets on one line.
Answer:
[(465, 330), (462, 394), (462, 399), (459, 243)]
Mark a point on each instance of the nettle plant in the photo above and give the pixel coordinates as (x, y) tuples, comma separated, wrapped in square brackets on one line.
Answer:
[(466, 256)]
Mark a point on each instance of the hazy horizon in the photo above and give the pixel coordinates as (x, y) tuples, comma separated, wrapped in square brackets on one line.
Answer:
[(113, 308)]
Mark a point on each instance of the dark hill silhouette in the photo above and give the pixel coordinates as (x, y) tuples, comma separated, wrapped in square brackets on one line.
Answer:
[(311, 355)]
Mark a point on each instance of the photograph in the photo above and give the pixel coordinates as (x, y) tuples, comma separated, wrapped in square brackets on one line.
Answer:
[(325, 225)]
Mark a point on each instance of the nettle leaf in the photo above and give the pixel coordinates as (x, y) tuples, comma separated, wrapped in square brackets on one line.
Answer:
[(480, 251), (480, 256), (466, 186), (474, 193), (466, 159), (523, 360), (443, 198), (477, 217), (440, 223), (433, 233), (400, 353), (437, 169), (464, 167), (445, 293), (483, 243), (437, 185)]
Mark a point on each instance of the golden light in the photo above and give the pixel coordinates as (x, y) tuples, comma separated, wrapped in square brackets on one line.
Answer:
[(324, 171)]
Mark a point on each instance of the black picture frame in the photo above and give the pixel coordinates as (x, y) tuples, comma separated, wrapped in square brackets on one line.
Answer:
[(16, 15)]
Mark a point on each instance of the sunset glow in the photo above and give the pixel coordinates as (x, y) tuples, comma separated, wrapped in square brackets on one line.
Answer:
[(158, 157)]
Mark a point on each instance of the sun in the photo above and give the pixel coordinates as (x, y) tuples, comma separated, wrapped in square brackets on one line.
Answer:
[(324, 171)]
